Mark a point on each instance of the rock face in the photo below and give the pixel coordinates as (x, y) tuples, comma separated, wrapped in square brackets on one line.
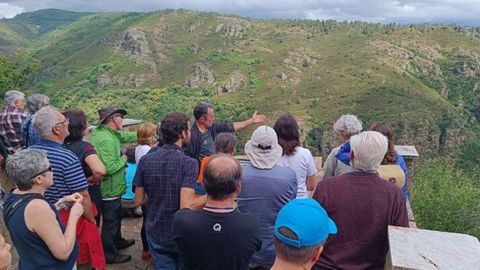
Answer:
[(236, 81), (135, 42), (424, 249), (234, 27), (297, 61), (202, 76), (193, 48)]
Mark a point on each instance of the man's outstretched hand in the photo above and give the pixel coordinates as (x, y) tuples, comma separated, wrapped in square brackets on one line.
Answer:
[(258, 118)]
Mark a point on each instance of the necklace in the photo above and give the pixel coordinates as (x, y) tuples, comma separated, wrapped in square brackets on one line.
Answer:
[(208, 207)]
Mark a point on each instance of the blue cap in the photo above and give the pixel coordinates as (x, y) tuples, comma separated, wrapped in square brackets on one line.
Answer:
[(308, 220)]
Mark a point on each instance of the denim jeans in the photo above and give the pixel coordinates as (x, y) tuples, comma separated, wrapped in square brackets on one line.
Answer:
[(112, 215), (164, 256)]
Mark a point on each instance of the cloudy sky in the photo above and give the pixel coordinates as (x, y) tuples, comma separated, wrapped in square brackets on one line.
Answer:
[(464, 12)]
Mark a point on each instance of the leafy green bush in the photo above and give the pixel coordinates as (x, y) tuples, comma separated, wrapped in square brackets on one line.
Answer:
[(445, 199)]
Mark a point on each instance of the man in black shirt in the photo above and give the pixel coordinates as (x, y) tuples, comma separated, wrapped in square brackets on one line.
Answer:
[(217, 237), (205, 129)]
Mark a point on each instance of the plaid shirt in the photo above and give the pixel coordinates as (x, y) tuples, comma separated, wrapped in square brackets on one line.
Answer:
[(162, 174), (11, 128)]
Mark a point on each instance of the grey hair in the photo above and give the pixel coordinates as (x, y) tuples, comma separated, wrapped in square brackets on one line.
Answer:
[(369, 149), (45, 120), (36, 102), (12, 96), (225, 142), (25, 164), (348, 124)]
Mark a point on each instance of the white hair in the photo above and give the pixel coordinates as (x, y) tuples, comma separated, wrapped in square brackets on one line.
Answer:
[(36, 102), (45, 120), (12, 96), (348, 124), (369, 149)]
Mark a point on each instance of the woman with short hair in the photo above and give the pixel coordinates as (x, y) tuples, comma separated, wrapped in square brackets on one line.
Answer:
[(294, 156), (147, 139), (41, 239), (34, 103), (338, 161), (91, 249), (93, 168)]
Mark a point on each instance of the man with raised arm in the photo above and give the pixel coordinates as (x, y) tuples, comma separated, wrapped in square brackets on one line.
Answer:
[(204, 130)]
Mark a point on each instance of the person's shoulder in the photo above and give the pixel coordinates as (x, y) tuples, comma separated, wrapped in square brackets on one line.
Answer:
[(184, 215), (188, 160), (303, 151), (37, 205)]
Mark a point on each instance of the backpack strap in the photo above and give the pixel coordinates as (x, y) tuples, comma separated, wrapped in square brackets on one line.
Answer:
[(19, 202)]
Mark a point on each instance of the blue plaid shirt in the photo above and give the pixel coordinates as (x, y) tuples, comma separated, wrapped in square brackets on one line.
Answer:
[(162, 174), (29, 132)]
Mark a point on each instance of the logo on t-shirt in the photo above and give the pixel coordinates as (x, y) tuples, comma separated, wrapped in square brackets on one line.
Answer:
[(217, 227)]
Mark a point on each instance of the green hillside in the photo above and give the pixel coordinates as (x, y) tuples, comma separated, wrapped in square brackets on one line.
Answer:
[(425, 79), (21, 31)]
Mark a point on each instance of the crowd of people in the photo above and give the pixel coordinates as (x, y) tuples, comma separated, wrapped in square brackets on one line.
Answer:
[(62, 194)]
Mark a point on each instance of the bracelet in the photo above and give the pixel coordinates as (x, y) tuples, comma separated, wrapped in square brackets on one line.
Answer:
[(61, 203)]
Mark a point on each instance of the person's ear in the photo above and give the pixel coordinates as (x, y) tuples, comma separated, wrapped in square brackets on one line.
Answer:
[(184, 134), (317, 253), (56, 130), (352, 155), (238, 188)]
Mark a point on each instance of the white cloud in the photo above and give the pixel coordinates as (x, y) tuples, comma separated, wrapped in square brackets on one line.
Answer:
[(8, 10), (365, 10)]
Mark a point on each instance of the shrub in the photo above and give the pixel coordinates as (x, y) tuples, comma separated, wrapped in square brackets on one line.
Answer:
[(445, 199)]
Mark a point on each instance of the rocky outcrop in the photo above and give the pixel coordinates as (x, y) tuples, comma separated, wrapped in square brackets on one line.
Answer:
[(193, 48), (135, 42), (297, 61), (235, 82), (233, 27), (202, 76)]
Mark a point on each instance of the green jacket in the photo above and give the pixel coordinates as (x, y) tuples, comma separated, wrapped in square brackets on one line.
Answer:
[(107, 144)]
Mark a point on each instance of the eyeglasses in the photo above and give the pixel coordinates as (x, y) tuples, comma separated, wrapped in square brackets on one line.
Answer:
[(48, 169), (64, 121)]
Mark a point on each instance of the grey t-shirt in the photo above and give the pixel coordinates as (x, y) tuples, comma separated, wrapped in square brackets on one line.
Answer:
[(207, 147), (264, 193)]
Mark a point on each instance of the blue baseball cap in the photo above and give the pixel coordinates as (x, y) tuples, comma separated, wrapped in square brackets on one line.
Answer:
[(307, 219)]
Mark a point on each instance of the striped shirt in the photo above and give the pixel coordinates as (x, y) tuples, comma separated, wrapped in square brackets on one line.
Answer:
[(68, 175)]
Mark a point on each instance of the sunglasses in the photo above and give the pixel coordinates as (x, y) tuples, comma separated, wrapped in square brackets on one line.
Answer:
[(48, 169)]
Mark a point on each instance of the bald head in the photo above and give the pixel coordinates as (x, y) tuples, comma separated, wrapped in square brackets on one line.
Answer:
[(222, 176)]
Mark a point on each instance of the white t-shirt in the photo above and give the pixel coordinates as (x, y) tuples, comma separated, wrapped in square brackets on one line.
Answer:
[(140, 151), (302, 163)]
